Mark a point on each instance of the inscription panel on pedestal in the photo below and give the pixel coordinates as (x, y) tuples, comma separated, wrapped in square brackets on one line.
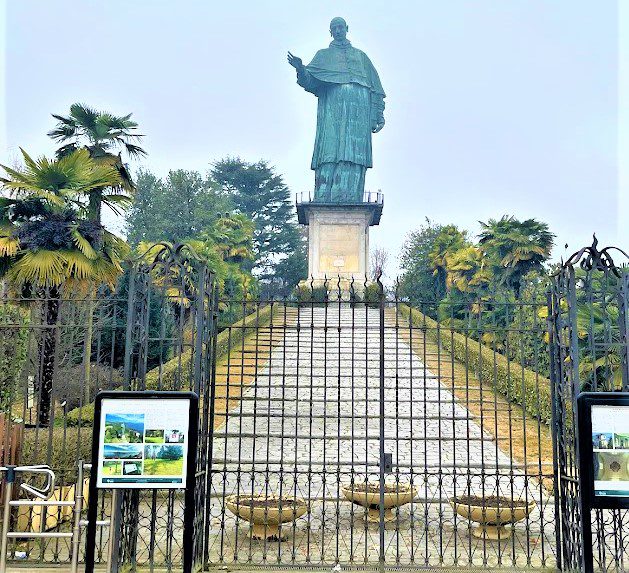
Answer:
[(340, 249)]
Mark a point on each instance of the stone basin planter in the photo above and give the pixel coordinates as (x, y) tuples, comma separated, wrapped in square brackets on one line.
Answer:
[(492, 514), (264, 513), (368, 495)]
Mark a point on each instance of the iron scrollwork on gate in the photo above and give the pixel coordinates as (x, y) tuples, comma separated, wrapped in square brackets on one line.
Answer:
[(170, 340), (588, 320)]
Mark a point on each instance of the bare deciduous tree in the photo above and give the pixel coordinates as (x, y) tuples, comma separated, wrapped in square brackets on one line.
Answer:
[(379, 259)]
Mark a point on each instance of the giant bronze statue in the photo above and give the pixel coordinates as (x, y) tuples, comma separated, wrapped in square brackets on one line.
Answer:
[(350, 109)]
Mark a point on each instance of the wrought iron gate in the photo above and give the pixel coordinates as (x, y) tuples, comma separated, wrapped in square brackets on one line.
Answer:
[(172, 304), (336, 407), (327, 408), (589, 346)]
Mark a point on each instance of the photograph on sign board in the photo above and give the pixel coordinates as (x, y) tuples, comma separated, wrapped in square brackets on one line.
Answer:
[(621, 441), (163, 460), (122, 451), (124, 428), (612, 466), (602, 441), (112, 468), (132, 468), (154, 436), (175, 437)]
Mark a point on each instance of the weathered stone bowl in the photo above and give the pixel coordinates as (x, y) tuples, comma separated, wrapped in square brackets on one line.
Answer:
[(492, 514), (266, 512), (368, 495)]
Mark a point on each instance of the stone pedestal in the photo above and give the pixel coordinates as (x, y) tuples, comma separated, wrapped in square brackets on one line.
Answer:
[(338, 240)]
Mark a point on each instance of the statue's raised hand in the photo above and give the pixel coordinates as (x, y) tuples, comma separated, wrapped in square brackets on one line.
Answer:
[(295, 62)]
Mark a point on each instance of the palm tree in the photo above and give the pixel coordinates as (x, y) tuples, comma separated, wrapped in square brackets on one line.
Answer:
[(466, 270), (102, 134), (516, 248), (600, 362), (449, 240), (46, 241)]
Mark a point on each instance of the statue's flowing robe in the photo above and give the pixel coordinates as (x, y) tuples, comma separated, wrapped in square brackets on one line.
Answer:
[(350, 99)]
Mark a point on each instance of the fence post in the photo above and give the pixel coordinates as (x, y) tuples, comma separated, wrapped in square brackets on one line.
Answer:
[(623, 328), (6, 516)]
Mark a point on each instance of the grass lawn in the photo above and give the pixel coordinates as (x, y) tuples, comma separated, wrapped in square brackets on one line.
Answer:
[(112, 468), (154, 440), (163, 467)]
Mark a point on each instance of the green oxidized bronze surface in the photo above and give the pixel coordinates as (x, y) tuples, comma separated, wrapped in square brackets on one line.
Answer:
[(350, 109)]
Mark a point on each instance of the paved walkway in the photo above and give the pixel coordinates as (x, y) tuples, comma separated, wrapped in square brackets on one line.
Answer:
[(310, 423)]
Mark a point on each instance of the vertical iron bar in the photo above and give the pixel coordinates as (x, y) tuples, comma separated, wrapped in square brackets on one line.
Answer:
[(623, 326), (381, 421)]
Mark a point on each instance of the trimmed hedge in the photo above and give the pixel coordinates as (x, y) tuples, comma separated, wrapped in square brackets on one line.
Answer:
[(517, 383), (175, 372), (67, 447)]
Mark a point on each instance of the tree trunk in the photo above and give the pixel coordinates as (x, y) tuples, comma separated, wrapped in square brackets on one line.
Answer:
[(47, 349), (95, 206), (87, 347)]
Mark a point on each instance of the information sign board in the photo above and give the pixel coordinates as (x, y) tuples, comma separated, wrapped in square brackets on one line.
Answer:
[(143, 439), (604, 449)]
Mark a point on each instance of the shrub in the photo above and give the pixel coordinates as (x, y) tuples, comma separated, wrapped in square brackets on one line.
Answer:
[(13, 350), (61, 451), (175, 374), (70, 383), (309, 295), (519, 384)]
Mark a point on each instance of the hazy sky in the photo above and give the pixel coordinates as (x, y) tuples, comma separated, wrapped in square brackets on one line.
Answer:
[(493, 106)]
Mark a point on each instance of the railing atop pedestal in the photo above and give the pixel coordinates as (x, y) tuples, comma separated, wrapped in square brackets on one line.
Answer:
[(370, 197), (372, 203)]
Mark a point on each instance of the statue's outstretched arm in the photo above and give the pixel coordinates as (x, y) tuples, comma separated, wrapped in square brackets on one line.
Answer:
[(377, 112)]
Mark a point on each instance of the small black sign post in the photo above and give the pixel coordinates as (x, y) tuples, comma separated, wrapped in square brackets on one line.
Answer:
[(603, 449), (144, 440)]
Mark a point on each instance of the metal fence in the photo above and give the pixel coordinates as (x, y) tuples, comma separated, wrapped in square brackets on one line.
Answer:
[(338, 425), (58, 347), (345, 405)]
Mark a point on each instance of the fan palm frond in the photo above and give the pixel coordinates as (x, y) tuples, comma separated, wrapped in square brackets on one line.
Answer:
[(42, 267), (83, 245), (9, 246)]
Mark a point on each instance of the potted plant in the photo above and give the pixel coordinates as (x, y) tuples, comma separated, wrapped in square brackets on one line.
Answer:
[(492, 513), (266, 513)]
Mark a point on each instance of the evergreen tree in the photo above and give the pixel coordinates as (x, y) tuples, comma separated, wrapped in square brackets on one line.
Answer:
[(261, 194), (423, 263), (178, 208)]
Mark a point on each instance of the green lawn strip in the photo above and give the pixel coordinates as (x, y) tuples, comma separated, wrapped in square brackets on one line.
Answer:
[(517, 383), (163, 467)]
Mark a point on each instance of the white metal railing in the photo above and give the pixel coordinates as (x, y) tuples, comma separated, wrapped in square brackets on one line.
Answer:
[(41, 498)]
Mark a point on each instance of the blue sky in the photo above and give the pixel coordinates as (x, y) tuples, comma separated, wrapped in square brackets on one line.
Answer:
[(493, 107)]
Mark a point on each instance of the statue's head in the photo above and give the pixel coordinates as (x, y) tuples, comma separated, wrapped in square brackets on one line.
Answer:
[(338, 28)]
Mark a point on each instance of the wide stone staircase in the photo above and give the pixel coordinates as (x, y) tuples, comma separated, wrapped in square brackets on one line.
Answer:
[(308, 416)]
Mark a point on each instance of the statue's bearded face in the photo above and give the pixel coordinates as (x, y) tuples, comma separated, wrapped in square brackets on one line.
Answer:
[(338, 29)]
